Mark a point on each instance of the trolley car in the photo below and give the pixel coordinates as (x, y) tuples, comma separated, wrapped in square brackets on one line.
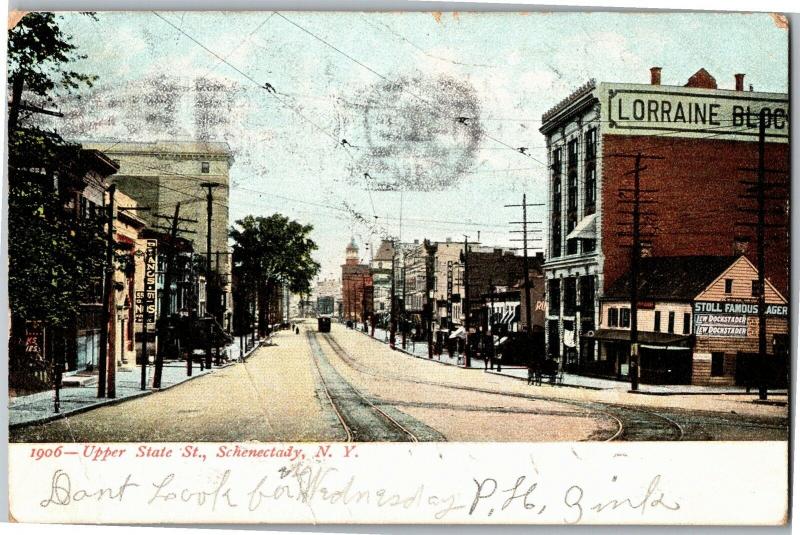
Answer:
[(324, 324)]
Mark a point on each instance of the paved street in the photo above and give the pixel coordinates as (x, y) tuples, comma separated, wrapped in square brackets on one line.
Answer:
[(344, 386)]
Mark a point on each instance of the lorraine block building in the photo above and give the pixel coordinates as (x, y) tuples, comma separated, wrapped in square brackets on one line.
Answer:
[(705, 135), (160, 174)]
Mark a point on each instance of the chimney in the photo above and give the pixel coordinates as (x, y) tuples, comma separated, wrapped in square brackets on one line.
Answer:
[(655, 75), (740, 245), (739, 81)]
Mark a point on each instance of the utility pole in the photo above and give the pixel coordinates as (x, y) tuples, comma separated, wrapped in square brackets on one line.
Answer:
[(757, 191), (525, 268), (108, 297), (404, 319), (169, 270), (491, 315), (430, 258), (465, 305), (636, 253), (393, 310), (210, 309)]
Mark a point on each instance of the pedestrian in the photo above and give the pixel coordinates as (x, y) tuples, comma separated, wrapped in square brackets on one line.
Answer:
[(297, 330)]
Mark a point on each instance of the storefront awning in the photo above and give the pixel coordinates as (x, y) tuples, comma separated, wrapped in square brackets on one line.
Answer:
[(586, 229), (459, 333), (645, 337)]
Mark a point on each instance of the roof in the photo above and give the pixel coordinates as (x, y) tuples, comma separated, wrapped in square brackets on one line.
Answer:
[(220, 148), (676, 278), (385, 251), (583, 90)]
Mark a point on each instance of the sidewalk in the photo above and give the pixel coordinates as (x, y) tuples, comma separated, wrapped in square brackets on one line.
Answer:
[(38, 407), (597, 383), (420, 349), (569, 379)]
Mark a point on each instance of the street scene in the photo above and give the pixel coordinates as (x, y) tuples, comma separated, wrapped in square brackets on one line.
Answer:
[(499, 227)]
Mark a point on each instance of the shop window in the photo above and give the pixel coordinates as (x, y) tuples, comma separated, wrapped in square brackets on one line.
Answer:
[(569, 296), (205, 167), (657, 321), (687, 322), (717, 363), (671, 323), (613, 317), (728, 286), (587, 294), (625, 318), (554, 295)]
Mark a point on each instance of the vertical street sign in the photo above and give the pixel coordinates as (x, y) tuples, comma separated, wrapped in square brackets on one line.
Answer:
[(145, 306)]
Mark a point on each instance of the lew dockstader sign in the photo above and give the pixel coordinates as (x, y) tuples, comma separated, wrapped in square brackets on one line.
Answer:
[(654, 110)]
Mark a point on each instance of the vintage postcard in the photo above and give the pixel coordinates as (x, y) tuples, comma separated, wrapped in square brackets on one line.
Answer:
[(398, 267)]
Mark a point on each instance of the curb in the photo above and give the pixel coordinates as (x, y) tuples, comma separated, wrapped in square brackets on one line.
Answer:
[(106, 402), (585, 387), (426, 359)]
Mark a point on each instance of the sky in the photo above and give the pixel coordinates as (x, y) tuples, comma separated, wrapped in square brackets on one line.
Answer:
[(351, 121)]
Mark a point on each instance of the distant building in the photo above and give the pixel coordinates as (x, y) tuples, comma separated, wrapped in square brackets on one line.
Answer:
[(704, 136), (160, 174), (381, 269), (356, 286)]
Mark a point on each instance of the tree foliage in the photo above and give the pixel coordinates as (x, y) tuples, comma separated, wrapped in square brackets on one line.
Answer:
[(55, 258), (273, 250)]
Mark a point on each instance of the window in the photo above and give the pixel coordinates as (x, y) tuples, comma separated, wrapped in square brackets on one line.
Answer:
[(717, 363), (572, 244), (554, 294), (657, 321), (572, 153), (569, 296), (625, 318), (671, 323), (755, 289), (687, 322), (728, 286), (590, 141), (591, 186), (205, 167), (613, 317), (587, 295), (555, 245), (572, 191)]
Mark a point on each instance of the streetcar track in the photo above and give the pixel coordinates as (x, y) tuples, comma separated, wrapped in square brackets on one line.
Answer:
[(317, 349), (635, 428), (348, 432)]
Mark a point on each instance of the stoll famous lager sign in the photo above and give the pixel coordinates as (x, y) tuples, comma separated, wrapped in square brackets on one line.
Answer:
[(145, 302), (730, 319)]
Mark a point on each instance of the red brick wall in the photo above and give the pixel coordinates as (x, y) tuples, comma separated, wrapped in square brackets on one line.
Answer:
[(356, 281), (698, 186)]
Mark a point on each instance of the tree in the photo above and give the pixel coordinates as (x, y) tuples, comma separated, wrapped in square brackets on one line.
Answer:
[(54, 259), (268, 252)]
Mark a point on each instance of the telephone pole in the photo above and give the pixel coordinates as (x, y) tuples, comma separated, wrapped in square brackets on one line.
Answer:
[(169, 270), (210, 309), (393, 304), (636, 253), (108, 297), (525, 239), (430, 250), (757, 191), (465, 305)]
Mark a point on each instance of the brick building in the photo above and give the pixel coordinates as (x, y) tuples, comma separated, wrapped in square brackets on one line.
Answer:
[(356, 286), (704, 135)]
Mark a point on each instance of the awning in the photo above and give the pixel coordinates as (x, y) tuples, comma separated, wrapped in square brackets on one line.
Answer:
[(506, 317), (586, 229), (502, 341), (646, 338), (459, 333)]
